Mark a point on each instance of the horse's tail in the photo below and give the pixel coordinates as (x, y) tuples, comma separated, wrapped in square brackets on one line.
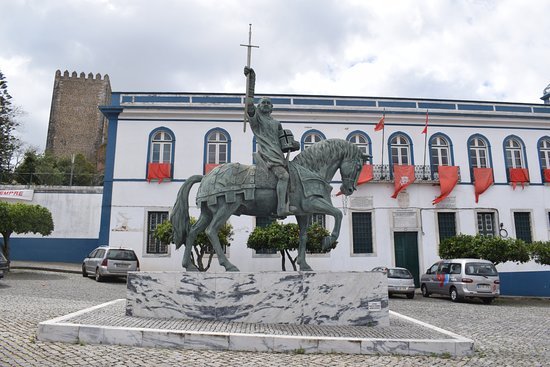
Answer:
[(180, 212)]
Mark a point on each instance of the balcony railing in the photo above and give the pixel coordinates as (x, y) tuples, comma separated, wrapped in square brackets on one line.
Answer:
[(422, 174)]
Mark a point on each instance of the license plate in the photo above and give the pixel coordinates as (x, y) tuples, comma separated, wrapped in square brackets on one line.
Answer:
[(121, 265), (400, 288), (484, 286)]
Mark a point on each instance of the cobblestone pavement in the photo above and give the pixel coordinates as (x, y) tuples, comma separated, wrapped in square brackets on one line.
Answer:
[(511, 332)]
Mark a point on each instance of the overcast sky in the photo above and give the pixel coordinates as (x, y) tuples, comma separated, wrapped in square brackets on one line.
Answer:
[(477, 50)]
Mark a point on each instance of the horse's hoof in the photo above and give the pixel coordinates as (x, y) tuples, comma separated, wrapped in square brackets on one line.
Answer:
[(231, 268), (190, 267), (305, 267), (327, 243)]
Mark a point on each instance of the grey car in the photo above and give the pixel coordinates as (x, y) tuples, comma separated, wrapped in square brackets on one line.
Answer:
[(400, 281), (109, 262), (4, 265), (462, 278)]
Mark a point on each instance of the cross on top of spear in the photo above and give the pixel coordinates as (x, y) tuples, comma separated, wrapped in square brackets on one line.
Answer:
[(248, 57)]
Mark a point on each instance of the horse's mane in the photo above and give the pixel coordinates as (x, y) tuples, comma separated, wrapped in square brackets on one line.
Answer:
[(324, 152)]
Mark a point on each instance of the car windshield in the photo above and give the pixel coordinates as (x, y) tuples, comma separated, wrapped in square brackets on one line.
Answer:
[(483, 269), (121, 255), (399, 273)]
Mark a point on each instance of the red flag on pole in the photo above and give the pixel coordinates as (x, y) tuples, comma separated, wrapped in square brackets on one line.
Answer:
[(403, 177), (425, 131), (519, 175), (380, 124), (483, 178), (365, 176), (448, 178)]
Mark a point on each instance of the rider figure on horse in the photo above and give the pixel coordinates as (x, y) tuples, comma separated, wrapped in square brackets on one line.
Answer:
[(269, 133)]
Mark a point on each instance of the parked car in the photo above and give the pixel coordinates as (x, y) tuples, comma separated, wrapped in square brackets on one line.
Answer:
[(4, 265), (400, 281), (109, 262), (462, 278)]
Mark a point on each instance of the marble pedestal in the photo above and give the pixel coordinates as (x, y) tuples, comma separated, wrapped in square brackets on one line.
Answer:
[(319, 298)]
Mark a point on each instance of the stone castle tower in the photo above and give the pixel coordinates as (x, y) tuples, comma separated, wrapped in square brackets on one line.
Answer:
[(76, 125)]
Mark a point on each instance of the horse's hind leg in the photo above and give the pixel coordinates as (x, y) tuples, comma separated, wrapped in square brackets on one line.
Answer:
[(301, 260), (198, 227), (221, 214)]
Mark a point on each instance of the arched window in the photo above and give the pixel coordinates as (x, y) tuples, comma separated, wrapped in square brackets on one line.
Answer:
[(311, 137), (544, 152), (361, 140), (400, 149), (440, 151), (160, 156), (479, 152), (217, 149), (513, 152)]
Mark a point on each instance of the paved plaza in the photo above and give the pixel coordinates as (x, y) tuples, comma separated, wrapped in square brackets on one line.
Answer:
[(511, 332)]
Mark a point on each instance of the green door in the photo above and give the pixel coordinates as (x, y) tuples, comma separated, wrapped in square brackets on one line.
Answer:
[(406, 253)]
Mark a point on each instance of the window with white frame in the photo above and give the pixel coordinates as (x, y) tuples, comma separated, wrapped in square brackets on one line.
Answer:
[(479, 153), (513, 151), (544, 153), (217, 147), (154, 245), (161, 147), (486, 224), (312, 138), (361, 141), (440, 151), (400, 150)]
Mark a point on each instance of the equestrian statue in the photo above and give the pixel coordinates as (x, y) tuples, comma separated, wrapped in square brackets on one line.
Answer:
[(273, 187)]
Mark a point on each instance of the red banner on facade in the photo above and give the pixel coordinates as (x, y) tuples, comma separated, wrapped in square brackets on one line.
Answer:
[(448, 178), (209, 167), (546, 173), (519, 175), (158, 171), (483, 178), (403, 176)]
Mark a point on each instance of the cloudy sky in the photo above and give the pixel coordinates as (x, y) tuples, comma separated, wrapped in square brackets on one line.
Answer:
[(478, 49)]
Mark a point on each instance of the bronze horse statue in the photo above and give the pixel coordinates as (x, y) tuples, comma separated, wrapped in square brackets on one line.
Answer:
[(237, 189)]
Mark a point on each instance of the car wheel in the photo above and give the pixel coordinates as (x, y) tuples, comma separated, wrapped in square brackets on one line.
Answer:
[(410, 295), (424, 290), (454, 295), (84, 272), (487, 301), (98, 277)]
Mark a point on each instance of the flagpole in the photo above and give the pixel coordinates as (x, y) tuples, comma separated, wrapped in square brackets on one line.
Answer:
[(382, 176), (425, 143)]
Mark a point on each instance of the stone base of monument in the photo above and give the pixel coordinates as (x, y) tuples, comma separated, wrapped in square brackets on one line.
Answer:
[(299, 298)]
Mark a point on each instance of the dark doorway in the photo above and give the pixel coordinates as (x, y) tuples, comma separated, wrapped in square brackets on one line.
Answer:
[(406, 253)]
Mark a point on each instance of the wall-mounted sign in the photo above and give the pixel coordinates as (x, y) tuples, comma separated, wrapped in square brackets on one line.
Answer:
[(17, 194)]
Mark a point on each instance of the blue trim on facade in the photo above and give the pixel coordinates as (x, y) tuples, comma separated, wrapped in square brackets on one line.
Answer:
[(475, 107), (546, 137), (355, 102), (513, 109), (451, 150), (411, 150), (115, 99), (66, 250), (490, 155), (523, 152), (441, 106), (541, 109), (127, 99), (397, 104), (150, 142), (111, 112), (162, 99), (525, 283), (311, 101), (217, 99), (311, 131), (364, 134), (205, 149)]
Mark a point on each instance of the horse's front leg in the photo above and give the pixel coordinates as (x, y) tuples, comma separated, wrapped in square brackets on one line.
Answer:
[(221, 214), (301, 259), (324, 206), (198, 227)]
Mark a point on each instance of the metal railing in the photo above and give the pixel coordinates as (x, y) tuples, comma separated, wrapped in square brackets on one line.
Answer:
[(422, 174)]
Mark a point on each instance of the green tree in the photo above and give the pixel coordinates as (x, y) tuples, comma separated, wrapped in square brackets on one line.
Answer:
[(495, 249), (540, 252), (202, 246), (8, 141), (285, 238), (23, 218)]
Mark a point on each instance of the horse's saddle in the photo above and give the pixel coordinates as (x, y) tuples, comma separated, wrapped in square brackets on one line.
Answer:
[(232, 179)]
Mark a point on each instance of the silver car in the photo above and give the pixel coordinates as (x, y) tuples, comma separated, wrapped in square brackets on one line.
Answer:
[(109, 262), (462, 278), (4, 265), (400, 281)]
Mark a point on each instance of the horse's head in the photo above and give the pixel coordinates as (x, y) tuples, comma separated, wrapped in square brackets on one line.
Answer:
[(350, 170)]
